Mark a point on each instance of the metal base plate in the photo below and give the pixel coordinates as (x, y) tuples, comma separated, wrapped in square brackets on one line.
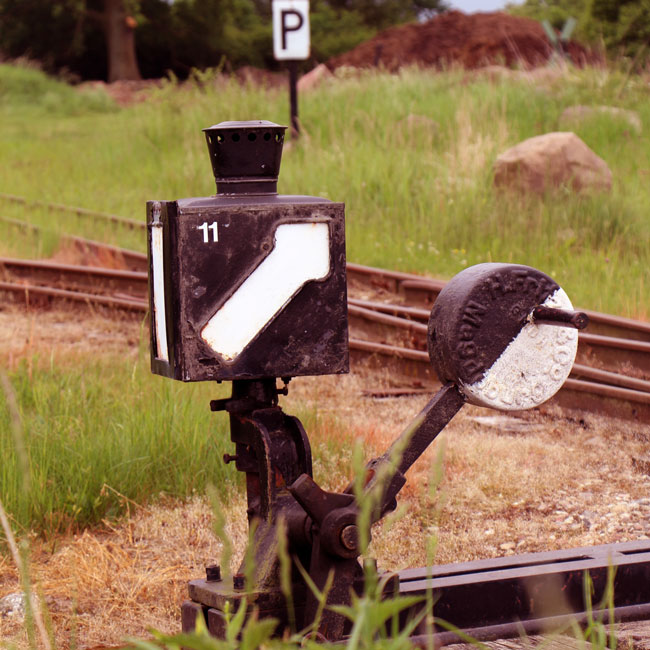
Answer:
[(487, 599), (535, 592)]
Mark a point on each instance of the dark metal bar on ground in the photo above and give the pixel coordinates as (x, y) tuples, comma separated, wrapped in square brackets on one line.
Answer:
[(495, 592)]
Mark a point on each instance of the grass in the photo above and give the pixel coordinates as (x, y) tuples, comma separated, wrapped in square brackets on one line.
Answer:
[(419, 196), (133, 575), (96, 435), (100, 434)]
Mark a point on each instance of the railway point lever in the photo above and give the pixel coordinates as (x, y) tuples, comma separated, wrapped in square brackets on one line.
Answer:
[(249, 286)]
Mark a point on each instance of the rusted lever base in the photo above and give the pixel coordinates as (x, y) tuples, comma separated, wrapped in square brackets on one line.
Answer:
[(487, 599), (335, 517), (321, 527)]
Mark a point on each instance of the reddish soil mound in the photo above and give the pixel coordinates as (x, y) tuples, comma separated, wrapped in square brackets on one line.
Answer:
[(472, 41)]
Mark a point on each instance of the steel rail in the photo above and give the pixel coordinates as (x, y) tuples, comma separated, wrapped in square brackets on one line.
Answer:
[(387, 319), (372, 311), (640, 386), (386, 274), (385, 313), (404, 311), (409, 318), (607, 377), (355, 271), (404, 281), (73, 269), (78, 296), (595, 317), (601, 382), (614, 342), (399, 278), (91, 279), (421, 358), (389, 350), (605, 390)]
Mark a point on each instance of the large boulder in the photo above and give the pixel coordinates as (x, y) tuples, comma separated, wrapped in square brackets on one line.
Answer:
[(578, 114), (551, 161)]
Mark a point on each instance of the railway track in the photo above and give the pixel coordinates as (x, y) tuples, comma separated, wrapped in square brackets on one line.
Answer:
[(101, 253), (612, 371), (388, 312)]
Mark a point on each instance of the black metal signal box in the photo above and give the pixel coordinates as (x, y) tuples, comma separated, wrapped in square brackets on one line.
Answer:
[(247, 284)]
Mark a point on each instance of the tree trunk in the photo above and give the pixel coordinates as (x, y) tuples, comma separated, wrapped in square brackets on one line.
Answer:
[(120, 42)]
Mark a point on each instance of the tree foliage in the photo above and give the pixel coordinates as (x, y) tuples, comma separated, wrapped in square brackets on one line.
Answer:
[(178, 35), (622, 25)]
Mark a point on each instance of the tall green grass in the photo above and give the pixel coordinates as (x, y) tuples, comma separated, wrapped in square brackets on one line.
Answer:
[(25, 92), (81, 439), (419, 197), (99, 434)]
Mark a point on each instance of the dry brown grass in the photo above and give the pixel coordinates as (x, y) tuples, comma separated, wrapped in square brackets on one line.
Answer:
[(508, 485), (104, 585), (75, 330)]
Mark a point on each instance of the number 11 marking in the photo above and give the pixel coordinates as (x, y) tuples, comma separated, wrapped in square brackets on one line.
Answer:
[(205, 227)]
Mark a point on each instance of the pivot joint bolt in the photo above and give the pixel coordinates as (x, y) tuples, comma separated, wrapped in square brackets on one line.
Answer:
[(350, 537)]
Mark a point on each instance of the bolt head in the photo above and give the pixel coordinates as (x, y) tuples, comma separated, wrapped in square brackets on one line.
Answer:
[(238, 581), (350, 537), (213, 573)]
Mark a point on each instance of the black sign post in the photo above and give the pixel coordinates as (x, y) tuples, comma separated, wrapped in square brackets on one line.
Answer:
[(291, 44), (293, 97)]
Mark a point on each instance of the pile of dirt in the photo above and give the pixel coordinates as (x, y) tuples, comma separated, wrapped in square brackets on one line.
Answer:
[(455, 38)]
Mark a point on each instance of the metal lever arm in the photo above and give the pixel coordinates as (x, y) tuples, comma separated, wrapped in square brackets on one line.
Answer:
[(336, 514), (387, 472)]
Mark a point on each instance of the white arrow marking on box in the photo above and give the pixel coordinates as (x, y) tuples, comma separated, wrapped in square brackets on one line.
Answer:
[(301, 254)]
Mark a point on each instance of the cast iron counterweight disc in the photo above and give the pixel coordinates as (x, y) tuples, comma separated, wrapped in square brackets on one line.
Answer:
[(482, 337)]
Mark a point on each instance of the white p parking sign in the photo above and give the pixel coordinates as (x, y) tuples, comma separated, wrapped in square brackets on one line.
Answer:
[(291, 30)]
